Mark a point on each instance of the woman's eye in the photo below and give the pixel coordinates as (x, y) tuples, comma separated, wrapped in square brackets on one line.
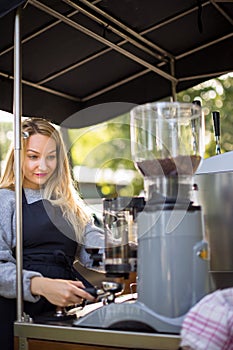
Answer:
[(51, 157), (32, 157)]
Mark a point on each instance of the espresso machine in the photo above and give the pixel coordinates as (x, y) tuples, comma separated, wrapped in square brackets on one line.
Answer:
[(172, 253)]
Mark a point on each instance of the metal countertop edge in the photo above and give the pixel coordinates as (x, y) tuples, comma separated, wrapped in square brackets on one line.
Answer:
[(97, 336)]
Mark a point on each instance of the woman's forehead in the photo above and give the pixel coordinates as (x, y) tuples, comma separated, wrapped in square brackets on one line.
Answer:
[(41, 143)]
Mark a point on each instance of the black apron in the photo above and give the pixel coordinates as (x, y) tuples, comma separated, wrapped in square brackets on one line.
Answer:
[(49, 247)]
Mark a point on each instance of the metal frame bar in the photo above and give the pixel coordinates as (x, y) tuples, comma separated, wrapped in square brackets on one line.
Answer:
[(110, 27), (43, 88), (39, 85), (201, 76), (99, 38), (199, 48), (17, 150), (222, 12), (138, 36), (42, 30), (34, 35)]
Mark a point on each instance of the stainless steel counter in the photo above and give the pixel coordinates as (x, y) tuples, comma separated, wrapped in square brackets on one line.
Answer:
[(101, 337)]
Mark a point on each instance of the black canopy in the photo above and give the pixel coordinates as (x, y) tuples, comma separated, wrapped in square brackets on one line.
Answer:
[(80, 54)]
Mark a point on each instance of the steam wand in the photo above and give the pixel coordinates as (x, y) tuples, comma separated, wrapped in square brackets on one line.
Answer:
[(216, 121)]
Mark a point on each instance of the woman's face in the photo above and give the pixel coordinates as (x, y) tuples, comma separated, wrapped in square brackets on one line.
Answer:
[(40, 161)]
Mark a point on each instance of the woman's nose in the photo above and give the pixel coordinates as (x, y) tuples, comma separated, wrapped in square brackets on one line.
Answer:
[(42, 164)]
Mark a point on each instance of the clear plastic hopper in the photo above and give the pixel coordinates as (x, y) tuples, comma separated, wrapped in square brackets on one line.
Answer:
[(167, 146)]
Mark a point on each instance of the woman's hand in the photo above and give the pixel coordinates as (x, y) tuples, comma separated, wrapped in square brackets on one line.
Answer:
[(60, 292)]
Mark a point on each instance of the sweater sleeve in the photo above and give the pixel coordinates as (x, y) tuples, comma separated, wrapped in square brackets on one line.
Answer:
[(93, 238), (7, 245)]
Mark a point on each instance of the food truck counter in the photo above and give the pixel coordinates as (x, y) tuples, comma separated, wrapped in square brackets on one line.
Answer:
[(30, 336)]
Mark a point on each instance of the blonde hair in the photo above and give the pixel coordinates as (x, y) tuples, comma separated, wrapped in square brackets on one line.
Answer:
[(59, 189)]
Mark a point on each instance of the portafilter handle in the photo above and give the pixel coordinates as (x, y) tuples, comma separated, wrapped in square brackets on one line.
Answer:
[(108, 292), (61, 312)]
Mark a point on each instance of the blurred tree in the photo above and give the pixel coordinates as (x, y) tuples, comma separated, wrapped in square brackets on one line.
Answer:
[(6, 137), (103, 146), (107, 145), (214, 95)]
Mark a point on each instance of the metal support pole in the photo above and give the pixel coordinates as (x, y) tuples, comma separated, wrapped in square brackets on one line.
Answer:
[(17, 152), (173, 83)]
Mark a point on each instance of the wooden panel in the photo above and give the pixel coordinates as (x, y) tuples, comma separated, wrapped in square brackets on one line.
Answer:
[(16, 343), (52, 345)]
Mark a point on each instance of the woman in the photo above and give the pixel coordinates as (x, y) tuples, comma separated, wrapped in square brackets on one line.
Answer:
[(55, 225)]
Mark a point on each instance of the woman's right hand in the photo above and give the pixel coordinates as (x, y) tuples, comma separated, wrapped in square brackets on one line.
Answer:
[(60, 292)]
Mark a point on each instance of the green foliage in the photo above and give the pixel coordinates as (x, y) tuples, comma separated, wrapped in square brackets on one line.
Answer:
[(104, 145), (6, 136), (215, 95), (107, 145)]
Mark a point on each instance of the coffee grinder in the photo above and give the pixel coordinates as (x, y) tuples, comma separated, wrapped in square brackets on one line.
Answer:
[(172, 255)]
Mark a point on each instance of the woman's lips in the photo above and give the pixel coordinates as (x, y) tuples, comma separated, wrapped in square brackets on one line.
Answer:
[(41, 175)]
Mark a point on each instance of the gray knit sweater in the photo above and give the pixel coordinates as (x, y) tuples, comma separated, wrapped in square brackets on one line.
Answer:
[(93, 237)]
